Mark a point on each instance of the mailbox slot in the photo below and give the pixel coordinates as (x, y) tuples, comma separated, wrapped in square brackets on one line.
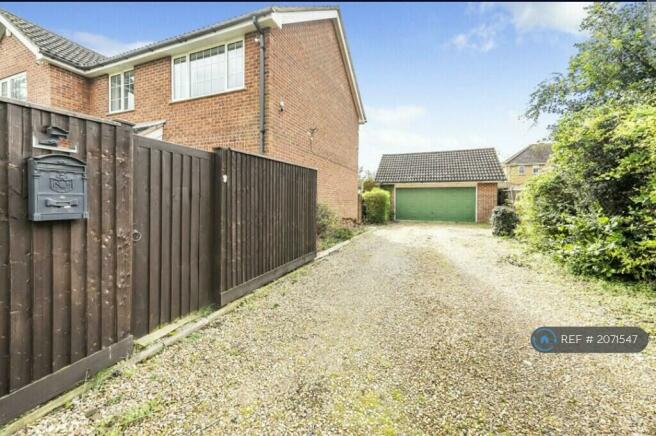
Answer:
[(57, 188)]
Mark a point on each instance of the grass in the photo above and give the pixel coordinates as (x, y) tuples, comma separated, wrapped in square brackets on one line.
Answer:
[(333, 238), (117, 424), (634, 301)]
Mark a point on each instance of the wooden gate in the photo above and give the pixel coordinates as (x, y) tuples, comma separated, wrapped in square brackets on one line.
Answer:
[(65, 286), (172, 274)]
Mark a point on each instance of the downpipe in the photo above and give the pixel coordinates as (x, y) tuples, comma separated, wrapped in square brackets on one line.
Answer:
[(261, 82)]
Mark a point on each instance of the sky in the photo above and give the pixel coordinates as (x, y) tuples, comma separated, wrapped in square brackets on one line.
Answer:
[(432, 76)]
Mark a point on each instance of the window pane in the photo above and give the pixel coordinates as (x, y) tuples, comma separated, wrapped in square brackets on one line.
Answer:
[(3, 89), (180, 78), (128, 90), (236, 65), (205, 72), (115, 93), (18, 87)]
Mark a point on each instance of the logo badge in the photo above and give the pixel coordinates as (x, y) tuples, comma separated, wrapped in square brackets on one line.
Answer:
[(544, 340)]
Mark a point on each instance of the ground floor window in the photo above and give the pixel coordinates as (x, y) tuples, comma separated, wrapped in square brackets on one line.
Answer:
[(14, 87)]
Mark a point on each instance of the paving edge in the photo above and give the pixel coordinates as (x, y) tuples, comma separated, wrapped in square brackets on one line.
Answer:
[(171, 336)]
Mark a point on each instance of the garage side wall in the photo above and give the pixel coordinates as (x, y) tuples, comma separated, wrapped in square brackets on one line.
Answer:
[(486, 201)]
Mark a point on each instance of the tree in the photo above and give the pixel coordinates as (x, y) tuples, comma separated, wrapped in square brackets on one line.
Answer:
[(366, 180), (596, 209), (616, 64)]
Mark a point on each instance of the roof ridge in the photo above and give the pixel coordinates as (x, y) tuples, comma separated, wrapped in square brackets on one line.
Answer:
[(516, 155), (440, 151)]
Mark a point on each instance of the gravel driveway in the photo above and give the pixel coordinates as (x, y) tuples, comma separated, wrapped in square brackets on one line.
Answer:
[(409, 329)]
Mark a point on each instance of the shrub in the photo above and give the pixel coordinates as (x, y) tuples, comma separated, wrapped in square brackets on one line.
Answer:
[(377, 205), (341, 233), (330, 230), (326, 220), (595, 209), (504, 221)]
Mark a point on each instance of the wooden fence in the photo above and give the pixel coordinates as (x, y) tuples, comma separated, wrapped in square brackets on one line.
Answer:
[(65, 286), (171, 229), (266, 220)]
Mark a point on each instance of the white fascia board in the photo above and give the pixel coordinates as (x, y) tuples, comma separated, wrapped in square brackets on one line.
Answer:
[(181, 47), (18, 34), (284, 18), (61, 64)]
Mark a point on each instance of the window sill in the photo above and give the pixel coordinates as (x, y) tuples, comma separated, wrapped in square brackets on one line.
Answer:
[(228, 91), (120, 112)]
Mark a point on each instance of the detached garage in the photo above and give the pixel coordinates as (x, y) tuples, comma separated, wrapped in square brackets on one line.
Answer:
[(458, 185)]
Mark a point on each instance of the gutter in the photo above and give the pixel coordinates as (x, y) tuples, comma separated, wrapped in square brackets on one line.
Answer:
[(260, 38)]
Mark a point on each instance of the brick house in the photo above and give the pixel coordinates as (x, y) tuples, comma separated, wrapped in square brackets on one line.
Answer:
[(456, 185), (203, 88)]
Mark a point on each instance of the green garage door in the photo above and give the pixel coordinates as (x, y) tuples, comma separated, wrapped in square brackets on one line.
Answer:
[(436, 204)]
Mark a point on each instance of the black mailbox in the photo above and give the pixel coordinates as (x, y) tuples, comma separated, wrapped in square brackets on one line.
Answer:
[(57, 186)]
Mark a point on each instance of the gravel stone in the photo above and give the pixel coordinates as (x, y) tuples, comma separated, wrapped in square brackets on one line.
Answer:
[(410, 329)]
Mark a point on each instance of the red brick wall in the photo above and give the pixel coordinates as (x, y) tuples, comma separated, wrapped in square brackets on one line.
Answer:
[(226, 120), (306, 71), (16, 58), (487, 200), (68, 90)]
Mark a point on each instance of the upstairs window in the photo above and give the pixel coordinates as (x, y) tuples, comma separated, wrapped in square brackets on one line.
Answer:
[(536, 170), (209, 71), (521, 170), (121, 91), (14, 87)]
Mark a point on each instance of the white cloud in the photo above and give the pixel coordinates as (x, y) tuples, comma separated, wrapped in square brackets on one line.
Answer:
[(103, 44), (523, 17), (564, 17), (481, 38)]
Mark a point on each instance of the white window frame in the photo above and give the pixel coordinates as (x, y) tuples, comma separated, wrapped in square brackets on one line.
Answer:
[(7, 80), (188, 64), (122, 88), (536, 170), (521, 170)]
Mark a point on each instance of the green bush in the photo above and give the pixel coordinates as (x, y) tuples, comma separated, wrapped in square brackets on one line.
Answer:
[(342, 233), (330, 230), (596, 209), (504, 221), (326, 220), (376, 206)]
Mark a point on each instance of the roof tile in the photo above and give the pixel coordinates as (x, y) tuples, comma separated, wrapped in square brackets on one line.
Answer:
[(480, 164)]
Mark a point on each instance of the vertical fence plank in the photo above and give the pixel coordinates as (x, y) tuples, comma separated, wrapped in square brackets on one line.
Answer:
[(19, 246), (154, 238), (176, 209), (108, 261), (194, 231), (123, 202), (205, 233), (141, 248), (165, 272), (42, 279), (78, 265), (5, 285), (186, 221), (93, 237)]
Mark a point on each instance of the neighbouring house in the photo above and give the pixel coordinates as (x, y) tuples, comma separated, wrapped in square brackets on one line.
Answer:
[(523, 165), (458, 185), (278, 81)]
